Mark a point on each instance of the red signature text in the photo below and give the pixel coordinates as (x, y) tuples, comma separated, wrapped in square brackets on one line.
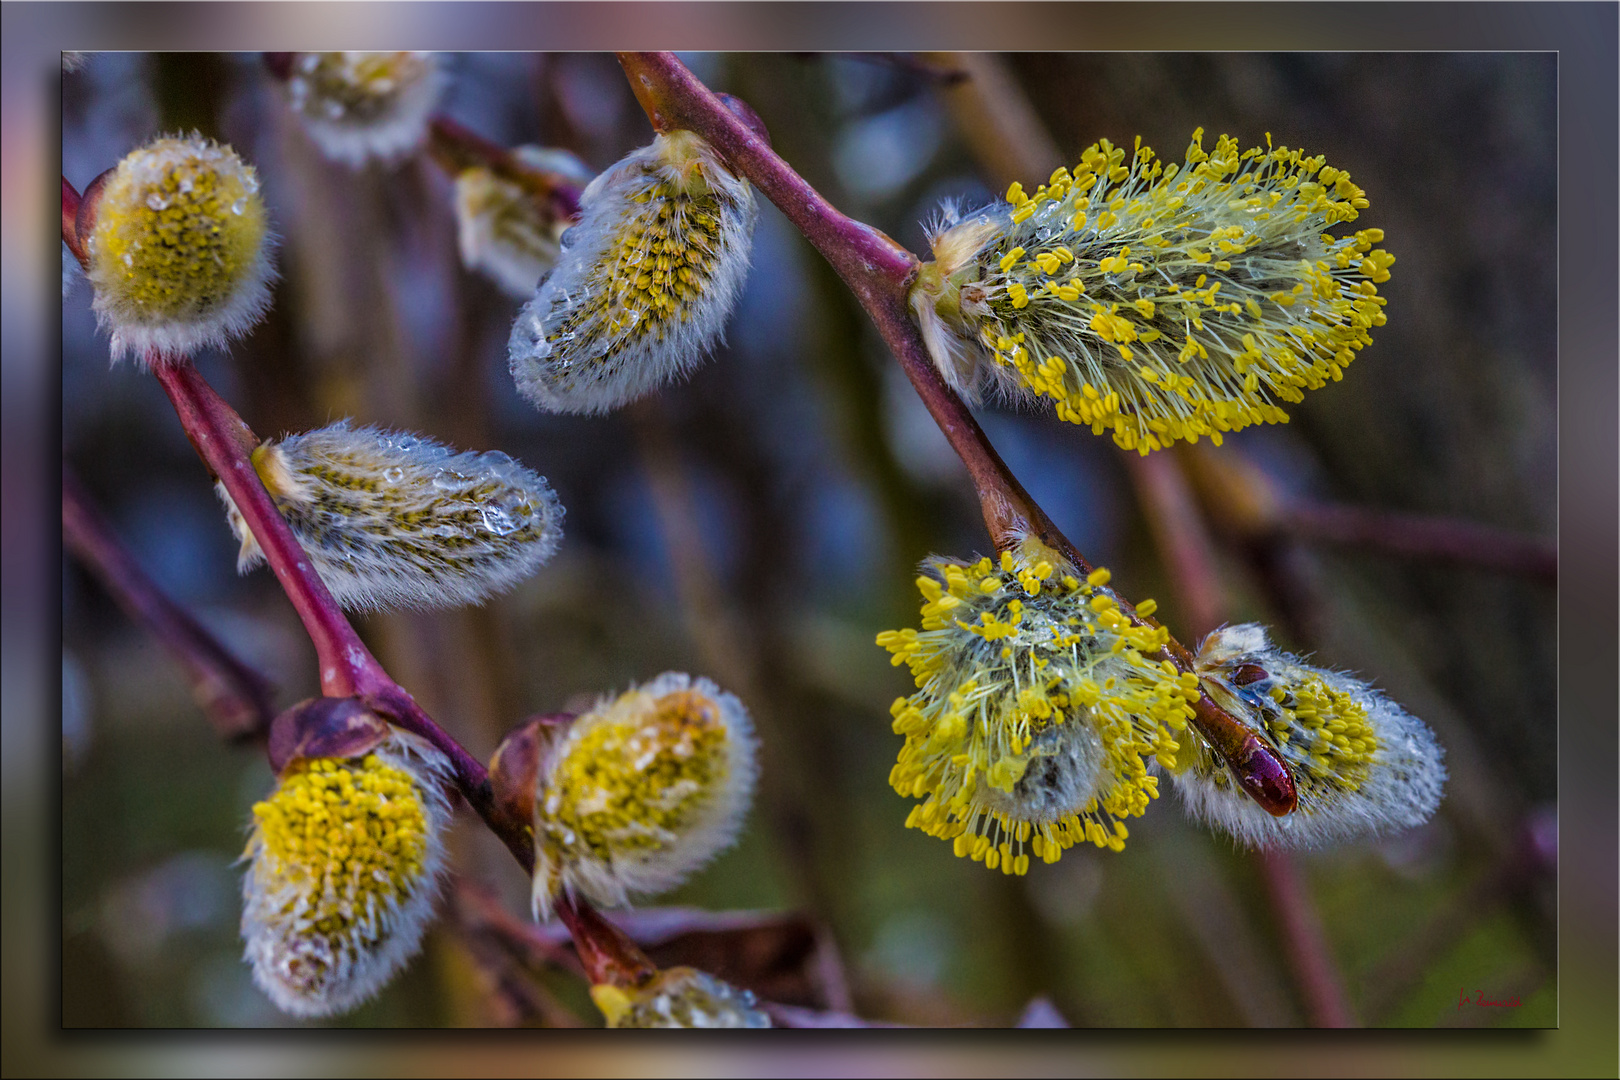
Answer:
[(1479, 998)]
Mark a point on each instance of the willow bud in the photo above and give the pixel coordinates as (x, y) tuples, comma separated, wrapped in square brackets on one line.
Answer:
[(644, 789), (504, 231), (679, 997), (395, 520), (1361, 764), (357, 106), (645, 283), (179, 251), (346, 857)]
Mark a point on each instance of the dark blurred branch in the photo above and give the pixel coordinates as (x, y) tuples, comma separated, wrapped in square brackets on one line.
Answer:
[(509, 957), (238, 701), (1304, 941), (456, 148), (1245, 503), (1188, 553), (1532, 857), (1424, 536), (1006, 136)]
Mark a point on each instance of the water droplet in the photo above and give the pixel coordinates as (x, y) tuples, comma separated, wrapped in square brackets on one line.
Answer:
[(498, 521), (393, 474), (239, 205), (495, 459), (450, 480), (570, 234), (156, 202)]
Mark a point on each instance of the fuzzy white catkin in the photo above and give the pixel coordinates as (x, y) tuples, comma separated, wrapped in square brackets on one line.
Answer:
[(502, 231), (394, 520), (680, 997), (180, 253), (644, 789), (645, 284), (363, 106), (1346, 791)]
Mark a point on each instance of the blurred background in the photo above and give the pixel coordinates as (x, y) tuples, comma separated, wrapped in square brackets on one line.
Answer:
[(760, 524)]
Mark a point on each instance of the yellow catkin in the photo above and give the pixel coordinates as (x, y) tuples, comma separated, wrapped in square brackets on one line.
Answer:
[(644, 789), (345, 862), (1203, 298), (180, 252), (1037, 715)]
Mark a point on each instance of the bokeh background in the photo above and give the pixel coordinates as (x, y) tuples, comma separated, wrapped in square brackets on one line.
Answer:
[(759, 524)]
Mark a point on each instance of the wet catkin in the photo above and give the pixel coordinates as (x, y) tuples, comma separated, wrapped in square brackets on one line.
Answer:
[(391, 519), (645, 283)]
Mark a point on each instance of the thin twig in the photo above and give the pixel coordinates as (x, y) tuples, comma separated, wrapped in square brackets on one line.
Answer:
[(238, 701), (1424, 536)]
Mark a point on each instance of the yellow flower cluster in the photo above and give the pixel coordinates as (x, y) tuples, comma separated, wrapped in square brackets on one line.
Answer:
[(647, 280), (1038, 717), (180, 251), (1163, 302), (679, 997), (643, 789), (1360, 764), (345, 860)]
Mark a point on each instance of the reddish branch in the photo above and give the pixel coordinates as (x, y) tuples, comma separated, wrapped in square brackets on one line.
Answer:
[(879, 272), (238, 701), (1421, 536), (347, 667)]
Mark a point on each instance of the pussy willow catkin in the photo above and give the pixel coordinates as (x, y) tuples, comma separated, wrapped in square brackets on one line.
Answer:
[(1361, 764), (645, 284), (1159, 302), (390, 519), (346, 857), (1038, 720), (644, 789), (180, 251)]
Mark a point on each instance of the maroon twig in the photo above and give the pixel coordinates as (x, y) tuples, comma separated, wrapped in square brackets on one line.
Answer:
[(1305, 942), (606, 952), (1424, 536), (879, 272), (238, 701)]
